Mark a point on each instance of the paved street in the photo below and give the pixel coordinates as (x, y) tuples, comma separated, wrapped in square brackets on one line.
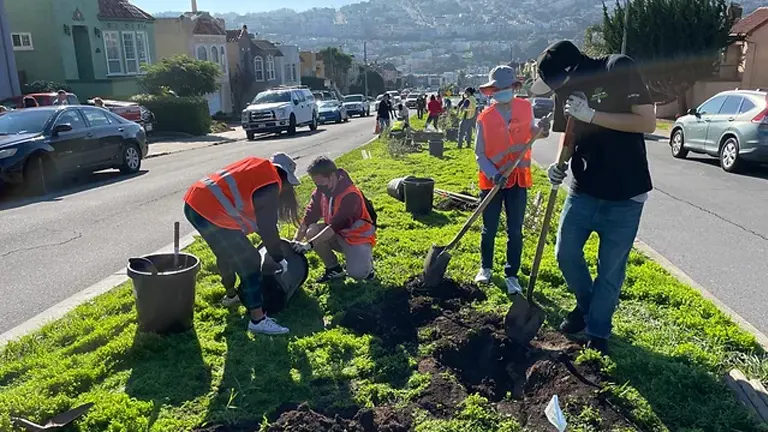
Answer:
[(711, 224), (56, 246)]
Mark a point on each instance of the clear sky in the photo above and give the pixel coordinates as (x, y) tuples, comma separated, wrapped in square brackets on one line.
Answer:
[(239, 6)]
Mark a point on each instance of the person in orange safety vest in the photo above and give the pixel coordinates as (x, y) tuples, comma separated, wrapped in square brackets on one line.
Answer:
[(247, 196), (348, 224), (503, 130)]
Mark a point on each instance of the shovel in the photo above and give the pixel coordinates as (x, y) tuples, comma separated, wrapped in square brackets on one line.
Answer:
[(525, 317), (57, 422), (438, 257)]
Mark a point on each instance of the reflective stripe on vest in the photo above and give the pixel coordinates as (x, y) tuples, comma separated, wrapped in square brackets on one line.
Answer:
[(505, 141), (235, 211), (362, 230)]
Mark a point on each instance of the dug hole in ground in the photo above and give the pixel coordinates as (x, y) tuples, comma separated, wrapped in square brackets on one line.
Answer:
[(385, 355)]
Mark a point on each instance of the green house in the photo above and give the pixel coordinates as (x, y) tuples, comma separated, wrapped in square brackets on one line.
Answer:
[(96, 47)]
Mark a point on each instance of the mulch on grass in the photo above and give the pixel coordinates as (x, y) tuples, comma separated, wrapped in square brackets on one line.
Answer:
[(472, 355)]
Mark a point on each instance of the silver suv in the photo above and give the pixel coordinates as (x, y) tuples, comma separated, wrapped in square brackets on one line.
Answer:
[(730, 125), (280, 109)]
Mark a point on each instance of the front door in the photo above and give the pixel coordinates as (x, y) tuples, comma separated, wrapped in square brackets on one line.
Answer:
[(82, 42), (721, 121), (106, 137), (214, 102), (696, 129)]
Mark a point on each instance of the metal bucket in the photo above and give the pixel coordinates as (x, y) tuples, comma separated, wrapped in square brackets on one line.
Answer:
[(165, 294)]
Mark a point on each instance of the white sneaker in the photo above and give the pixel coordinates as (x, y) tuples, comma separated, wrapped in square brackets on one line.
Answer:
[(228, 301), (267, 326), (513, 285), (483, 276)]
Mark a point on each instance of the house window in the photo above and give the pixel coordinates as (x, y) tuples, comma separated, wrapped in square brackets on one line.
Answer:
[(223, 57), (202, 53), (215, 55), (112, 52), (294, 75), (142, 46), (22, 41), (258, 68), (270, 68), (129, 51)]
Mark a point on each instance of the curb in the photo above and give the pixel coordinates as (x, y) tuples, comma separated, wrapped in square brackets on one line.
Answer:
[(683, 277), (223, 141), (65, 306)]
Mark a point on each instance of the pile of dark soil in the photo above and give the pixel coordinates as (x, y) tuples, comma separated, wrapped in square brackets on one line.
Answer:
[(471, 355)]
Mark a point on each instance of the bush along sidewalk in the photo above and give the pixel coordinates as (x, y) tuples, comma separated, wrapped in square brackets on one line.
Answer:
[(385, 354)]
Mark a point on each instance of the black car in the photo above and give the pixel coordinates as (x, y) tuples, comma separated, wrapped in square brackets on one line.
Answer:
[(40, 145), (542, 106)]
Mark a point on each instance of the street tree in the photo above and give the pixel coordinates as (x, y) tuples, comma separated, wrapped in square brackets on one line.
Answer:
[(674, 42), (375, 82), (337, 64), (182, 74)]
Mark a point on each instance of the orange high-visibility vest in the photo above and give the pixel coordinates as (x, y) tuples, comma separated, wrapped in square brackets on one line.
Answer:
[(503, 143), (225, 198), (362, 230)]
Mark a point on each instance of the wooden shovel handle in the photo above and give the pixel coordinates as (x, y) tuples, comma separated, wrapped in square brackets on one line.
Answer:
[(496, 188), (565, 154)]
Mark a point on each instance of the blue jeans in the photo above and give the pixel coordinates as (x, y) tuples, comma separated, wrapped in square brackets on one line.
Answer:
[(235, 254), (514, 202), (465, 132), (616, 224)]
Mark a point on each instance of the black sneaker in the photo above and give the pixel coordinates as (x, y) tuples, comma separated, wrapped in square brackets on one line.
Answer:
[(332, 274), (598, 344), (371, 276), (573, 322)]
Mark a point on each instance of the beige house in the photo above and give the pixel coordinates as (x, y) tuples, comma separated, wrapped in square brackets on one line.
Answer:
[(312, 64), (203, 37), (743, 64)]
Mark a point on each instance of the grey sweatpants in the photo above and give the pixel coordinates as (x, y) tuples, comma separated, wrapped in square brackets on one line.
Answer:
[(465, 131), (359, 258)]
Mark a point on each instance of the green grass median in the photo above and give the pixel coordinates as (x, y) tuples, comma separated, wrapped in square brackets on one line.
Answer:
[(357, 345)]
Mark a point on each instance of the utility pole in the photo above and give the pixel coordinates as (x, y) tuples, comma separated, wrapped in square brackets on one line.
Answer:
[(626, 21), (365, 67)]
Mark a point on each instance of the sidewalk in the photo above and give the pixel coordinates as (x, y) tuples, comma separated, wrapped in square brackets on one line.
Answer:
[(658, 135), (165, 147)]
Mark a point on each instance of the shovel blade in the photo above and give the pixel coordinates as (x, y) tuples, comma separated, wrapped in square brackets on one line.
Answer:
[(68, 417), (523, 321), (435, 266)]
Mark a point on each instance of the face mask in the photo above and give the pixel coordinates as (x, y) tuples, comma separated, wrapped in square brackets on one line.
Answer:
[(504, 96)]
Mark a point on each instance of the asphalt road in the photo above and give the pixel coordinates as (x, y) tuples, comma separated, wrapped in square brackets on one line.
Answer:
[(58, 245), (711, 224)]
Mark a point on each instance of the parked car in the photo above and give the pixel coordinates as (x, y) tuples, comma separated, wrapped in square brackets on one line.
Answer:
[(357, 104), (322, 95), (395, 96), (280, 109), (411, 100), (542, 106), (41, 145), (130, 111), (43, 99), (729, 126), (332, 111)]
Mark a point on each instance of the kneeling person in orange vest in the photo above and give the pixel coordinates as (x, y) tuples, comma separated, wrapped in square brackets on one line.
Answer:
[(347, 225), (248, 196), (503, 130)]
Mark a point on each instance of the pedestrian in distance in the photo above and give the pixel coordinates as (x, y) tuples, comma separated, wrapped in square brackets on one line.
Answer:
[(338, 218), (30, 102), (61, 98), (503, 130), (435, 108), (248, 196), (384, 112), (467, 116), (421, 106), (612, 108), (98, 102)]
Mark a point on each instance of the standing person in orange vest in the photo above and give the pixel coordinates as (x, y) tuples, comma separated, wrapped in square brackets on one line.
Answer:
[(349, 223), (248, 196), (503, 130)]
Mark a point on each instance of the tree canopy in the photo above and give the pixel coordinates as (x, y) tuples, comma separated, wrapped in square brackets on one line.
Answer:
[(674, 42), (182, 74), (337, 64), (375, 83)]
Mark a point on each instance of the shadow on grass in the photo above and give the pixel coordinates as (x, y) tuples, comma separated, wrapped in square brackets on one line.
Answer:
[(682, 394), (434, 219), (167, 370)]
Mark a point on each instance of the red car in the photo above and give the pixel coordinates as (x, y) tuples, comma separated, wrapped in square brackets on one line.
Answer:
[(43, 99), (130, 111)]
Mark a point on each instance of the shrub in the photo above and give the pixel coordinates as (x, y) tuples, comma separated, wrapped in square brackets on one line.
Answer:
[(182, 74), (41, 86), (178, 114)]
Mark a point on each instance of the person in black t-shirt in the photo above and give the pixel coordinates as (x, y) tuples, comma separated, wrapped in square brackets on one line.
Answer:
[(612, 108)]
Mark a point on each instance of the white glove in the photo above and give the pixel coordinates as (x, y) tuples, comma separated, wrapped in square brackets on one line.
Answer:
[(283, 266), (577, 107), (300, 247), (556, 175)]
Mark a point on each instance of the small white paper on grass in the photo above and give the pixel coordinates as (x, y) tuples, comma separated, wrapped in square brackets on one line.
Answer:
[(555, 414)]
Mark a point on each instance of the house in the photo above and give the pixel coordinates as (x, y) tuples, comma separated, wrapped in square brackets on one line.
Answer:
[(252, 65), (96, 47), (389, 72), (289, 65), (312, 64), (742, 64), (199, 35), (9, 79)]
